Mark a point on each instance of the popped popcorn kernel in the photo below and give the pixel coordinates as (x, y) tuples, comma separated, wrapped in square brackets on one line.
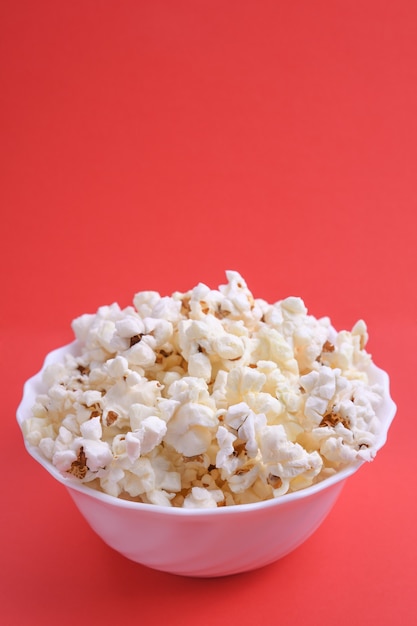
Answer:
[(207, 398)]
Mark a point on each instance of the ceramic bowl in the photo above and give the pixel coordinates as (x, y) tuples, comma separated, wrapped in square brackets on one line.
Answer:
[(211, 542)]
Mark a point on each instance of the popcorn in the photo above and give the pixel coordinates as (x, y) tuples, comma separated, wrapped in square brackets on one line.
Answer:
[(201, 498), (207, 398), (190, 429)]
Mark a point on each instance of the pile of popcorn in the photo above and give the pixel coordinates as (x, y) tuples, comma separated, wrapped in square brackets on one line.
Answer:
[(207, 398)]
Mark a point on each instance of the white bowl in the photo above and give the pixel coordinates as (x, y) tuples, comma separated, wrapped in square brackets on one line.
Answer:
[(204, 543)]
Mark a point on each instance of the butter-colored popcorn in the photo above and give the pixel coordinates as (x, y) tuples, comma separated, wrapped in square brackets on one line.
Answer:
[(207, 398)]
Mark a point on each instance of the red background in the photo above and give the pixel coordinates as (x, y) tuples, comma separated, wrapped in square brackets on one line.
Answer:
[(153, 145)]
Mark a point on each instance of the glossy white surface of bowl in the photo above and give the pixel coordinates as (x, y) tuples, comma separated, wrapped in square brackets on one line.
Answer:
[(213, 542)]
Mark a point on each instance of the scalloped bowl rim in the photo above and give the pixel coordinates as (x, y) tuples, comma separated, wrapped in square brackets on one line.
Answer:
[(33, 387)]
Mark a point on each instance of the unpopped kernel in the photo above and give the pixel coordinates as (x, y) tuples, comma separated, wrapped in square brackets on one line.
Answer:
[(207, 398)]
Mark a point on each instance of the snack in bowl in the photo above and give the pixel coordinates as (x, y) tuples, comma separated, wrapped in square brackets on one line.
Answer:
[(207, 400)]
